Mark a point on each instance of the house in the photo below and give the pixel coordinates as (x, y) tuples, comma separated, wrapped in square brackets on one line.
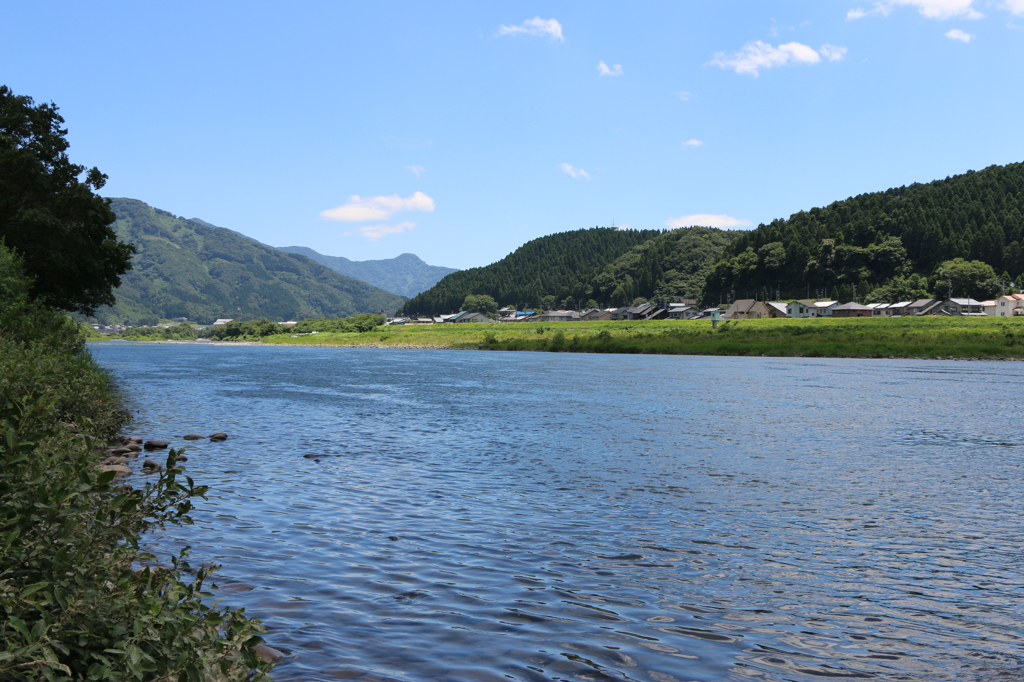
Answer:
[(1009, 305), (221, 321), (594, 315), (777, 308), (618, 313), (657, 314), (682, 311), (639, 312), (808, 308), (923, 306), (747, 309), (852, 310), (468, 317), (962, 306), (557, 316)]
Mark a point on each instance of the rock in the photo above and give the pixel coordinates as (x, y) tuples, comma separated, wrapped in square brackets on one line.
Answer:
[(149, 466), (134, 447), (181, 458), (120, 470), (194, 436), (268, 654), (128, 440), (116, 460), (311, 456), (220, 435), (117, 451), (155, 444)]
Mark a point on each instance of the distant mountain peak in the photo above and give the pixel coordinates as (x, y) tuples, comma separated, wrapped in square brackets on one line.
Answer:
[(405, 274)]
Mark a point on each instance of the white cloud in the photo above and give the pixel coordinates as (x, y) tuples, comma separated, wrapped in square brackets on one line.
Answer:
[(359, 209), (603, 69), (759, 55), (1014, 6), (707, 220), (575, 172), (693, 142), (933, 9), (535, 27), (375, 232), (687, 96), (417, 170), (957, 34), (833, 53)]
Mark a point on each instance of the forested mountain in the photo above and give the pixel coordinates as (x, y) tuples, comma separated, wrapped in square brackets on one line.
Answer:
[(187, 268), (672, 265), (560, 266), (406, 274), (884, 244)]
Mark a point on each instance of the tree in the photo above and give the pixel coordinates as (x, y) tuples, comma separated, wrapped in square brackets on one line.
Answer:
[(480, 303), (56, 223), (973, 279)]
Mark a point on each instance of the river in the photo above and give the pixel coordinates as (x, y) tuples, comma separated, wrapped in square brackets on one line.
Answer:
[(533, 516)]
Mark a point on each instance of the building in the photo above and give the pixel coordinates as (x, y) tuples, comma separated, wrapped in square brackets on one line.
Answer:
[(808, 308), (748, 309), (852, 310), (1009, 305)]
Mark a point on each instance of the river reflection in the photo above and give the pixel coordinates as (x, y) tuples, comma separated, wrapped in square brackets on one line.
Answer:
[(496, 516)]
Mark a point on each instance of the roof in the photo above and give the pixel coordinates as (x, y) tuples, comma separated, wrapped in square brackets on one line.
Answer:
[(781, 307), (964, 301), (824, 304), (851, 306)]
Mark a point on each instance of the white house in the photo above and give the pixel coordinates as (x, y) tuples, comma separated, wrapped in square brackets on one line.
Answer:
[(810, 308), (1008, 305)]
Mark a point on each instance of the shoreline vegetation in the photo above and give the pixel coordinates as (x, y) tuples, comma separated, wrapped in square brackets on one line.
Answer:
[(910, 337), (79, 598), (935, 337)]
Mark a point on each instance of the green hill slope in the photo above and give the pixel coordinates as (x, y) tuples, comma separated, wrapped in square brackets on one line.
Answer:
[(883, 241), (672, 265), (561, 265), (406, 274), (186, 268)]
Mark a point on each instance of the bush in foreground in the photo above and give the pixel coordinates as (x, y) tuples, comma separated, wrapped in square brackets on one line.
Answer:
[(74, 600)]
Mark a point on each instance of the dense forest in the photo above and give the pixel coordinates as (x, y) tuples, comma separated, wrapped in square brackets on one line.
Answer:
[(672, 265), (187, 268), (592, 267), (559, 266), (405, 274), (883, 245)]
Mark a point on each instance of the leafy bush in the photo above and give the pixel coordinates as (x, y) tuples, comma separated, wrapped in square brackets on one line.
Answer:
[(73, 604)]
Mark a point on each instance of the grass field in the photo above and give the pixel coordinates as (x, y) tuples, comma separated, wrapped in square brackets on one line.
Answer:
[(917, 337)]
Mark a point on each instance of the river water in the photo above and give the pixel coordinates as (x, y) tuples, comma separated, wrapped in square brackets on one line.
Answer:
[(532, 516)]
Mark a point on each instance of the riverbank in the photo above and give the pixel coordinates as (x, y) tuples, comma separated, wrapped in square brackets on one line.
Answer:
[(910, 337), (77, 597)]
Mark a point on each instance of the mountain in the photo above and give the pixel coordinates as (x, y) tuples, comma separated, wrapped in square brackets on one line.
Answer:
[(189, 268), (406, 274), (672, 265), (883, 245), (560, 266)]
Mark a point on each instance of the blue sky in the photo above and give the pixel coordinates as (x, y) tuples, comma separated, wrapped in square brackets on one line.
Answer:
[(459, 131)]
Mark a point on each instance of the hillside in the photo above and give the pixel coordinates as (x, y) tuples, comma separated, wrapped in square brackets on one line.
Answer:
[(561, 266), (405, 275), (883, 244), (672, 265), (187, 268)]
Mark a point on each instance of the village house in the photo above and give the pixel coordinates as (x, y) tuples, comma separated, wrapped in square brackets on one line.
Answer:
[(852, 310), (924, 306), (962, 306), (1008, 305), (595, 315), (747, 309), (682, 311), (557, 316), (468, 317), (807, 308)]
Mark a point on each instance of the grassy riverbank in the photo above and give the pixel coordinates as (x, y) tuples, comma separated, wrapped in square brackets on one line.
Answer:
[(924, 337), (74, 600)]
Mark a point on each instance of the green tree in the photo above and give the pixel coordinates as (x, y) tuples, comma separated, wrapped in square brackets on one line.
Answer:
[(480, 303), (973, 279), (53, 219)]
